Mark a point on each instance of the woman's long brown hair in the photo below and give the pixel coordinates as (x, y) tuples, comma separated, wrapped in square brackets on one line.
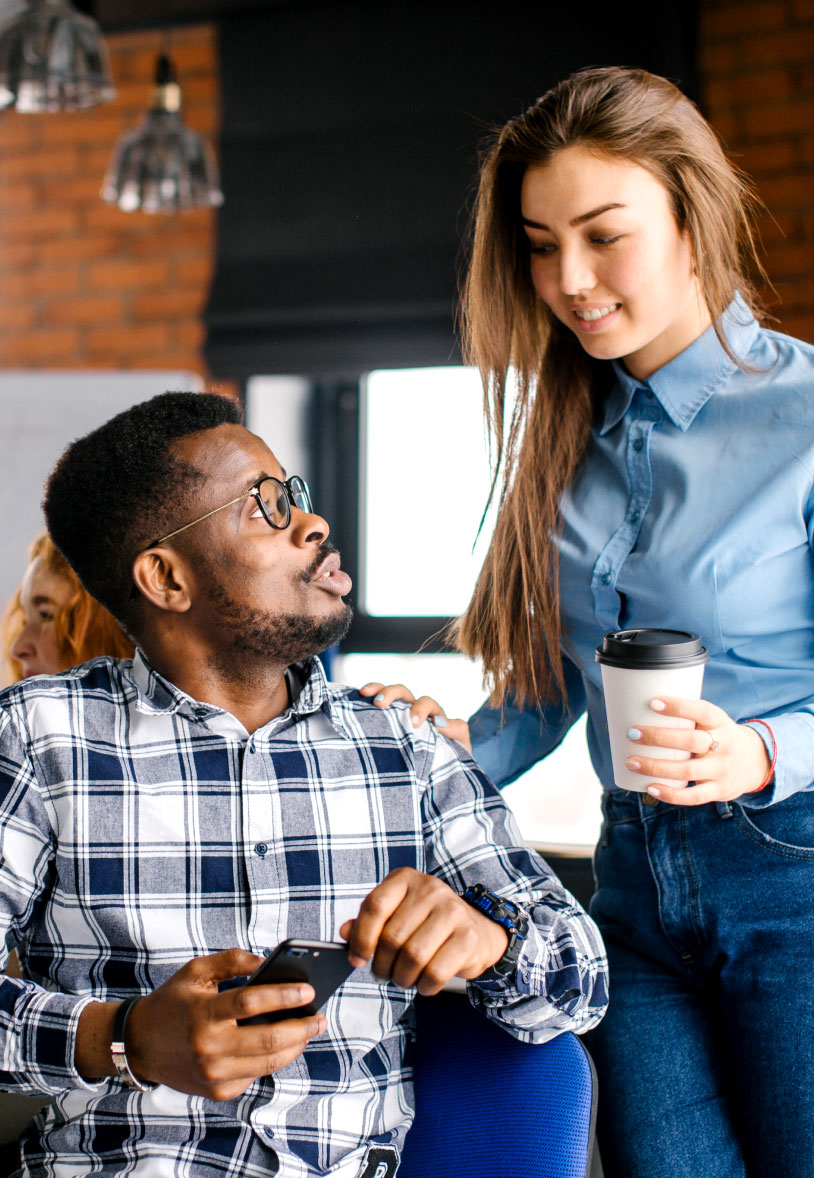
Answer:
[(513, 622), (83, 629)]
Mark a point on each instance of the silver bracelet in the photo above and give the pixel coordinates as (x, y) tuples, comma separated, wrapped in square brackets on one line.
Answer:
[(118, 1051)]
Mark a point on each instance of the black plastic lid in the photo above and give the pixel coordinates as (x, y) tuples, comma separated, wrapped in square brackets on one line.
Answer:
[(647, 649)]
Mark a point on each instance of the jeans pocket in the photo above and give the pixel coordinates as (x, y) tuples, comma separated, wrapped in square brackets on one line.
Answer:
[(786, 828)]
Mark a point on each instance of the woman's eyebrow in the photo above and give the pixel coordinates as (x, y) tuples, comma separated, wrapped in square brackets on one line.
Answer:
[(580, 220)]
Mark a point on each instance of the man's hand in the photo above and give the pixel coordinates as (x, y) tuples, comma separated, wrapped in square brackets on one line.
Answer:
[(186, 1035), (420, 933)]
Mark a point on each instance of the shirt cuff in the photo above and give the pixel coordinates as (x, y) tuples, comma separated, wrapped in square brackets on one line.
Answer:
[(794, 736), (521, 982), (38, 1029)]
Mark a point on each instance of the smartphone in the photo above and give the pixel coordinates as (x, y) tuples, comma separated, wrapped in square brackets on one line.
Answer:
[(323, 964)]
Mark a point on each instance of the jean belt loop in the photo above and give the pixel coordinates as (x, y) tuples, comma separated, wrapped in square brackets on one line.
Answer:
[(724, 809)]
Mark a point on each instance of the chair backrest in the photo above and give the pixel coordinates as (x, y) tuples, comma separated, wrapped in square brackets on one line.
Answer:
[(489, 1106)]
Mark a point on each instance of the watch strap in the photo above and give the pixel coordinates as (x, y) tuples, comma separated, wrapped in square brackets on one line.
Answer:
[(509, 917), (118, 1051)]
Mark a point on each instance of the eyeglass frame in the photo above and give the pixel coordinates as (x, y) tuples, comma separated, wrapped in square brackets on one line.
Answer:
[(254, 492)]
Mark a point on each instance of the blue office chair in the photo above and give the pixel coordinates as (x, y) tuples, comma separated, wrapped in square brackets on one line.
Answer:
[(488, 1106)]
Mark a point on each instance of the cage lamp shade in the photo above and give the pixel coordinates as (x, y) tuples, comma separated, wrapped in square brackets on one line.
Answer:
[(52, 58), (163, 166)]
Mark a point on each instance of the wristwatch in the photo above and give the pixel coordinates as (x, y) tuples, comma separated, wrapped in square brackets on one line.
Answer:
[(118, 1051), (510, 917)]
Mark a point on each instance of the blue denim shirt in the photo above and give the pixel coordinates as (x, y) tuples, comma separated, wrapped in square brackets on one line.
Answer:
[(692, 509)]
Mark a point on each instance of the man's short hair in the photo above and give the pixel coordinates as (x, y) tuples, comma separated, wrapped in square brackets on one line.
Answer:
[(121, 486)]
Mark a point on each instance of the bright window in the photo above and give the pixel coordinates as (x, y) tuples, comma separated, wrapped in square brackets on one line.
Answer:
[(424, 484)]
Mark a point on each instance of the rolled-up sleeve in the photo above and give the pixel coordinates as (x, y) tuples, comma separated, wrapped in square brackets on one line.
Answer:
[(560, 983)]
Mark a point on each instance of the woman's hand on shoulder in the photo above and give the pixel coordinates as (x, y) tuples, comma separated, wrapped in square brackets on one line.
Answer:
[(727, 759), (424, 708)]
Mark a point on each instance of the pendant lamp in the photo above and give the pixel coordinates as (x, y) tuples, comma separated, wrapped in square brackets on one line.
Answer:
[(162, 166), (52, 58)]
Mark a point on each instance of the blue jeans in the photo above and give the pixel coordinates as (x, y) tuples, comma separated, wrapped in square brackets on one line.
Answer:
[(706, 1055)]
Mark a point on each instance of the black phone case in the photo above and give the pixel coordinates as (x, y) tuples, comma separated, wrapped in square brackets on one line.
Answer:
[(323, 964)]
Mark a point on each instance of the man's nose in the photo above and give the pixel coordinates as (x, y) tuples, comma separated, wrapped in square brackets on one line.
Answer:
[(307, 527)]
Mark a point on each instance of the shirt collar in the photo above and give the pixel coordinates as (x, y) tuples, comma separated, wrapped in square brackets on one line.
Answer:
[(156, 694), (684, 386)]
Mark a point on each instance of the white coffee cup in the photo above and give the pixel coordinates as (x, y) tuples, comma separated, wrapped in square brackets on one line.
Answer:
[(638, 666)]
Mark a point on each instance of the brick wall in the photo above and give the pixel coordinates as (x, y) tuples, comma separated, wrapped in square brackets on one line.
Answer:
[(82, 284), (757, 75)]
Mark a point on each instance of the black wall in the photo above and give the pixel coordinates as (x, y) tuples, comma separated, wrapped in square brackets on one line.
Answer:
[(349, 153)]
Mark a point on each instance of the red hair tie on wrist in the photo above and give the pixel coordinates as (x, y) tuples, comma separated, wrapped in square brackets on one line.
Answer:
[(770, 774)]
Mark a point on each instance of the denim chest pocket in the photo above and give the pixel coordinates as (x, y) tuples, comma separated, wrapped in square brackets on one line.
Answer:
[(786, 828)]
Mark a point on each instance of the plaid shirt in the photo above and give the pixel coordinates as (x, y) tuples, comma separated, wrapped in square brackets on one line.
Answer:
[(141, 828)]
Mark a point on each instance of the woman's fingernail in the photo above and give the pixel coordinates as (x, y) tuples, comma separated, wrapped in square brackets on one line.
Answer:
[(416, 720), (654, 793), (633, 763), (377, 699), (439, 721), (634, 734), (658, 705)]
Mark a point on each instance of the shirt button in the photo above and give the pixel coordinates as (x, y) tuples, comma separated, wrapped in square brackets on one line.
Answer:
[(606, 579), (635, 517), (261, 849), (638, 444)]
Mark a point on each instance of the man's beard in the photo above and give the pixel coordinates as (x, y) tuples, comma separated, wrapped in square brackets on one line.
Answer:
[(254, 639)]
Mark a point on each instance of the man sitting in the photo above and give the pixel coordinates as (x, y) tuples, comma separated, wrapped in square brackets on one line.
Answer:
[(167, 819)]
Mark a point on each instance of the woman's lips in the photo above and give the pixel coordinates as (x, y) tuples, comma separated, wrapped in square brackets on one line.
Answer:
[(596, 317), (331, 577)]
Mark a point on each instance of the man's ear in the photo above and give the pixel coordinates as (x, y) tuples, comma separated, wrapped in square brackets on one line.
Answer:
[(160, 578)]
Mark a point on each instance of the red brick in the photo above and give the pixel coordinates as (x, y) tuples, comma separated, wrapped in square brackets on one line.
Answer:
[(799, 325), (81, 127), (88, 310), (15, 196), (718, 60), (786, 118), (786, 47), (790, 261), (43, 223), (168, 304), (42, 281), (81, 248), (38, 163), (781, 192), (174, 242), (38, 349), (189, 335), (126, 274), (127, 341), (769, 157), (194, 271), (18, 130), (748, 88), (719, 21), (16, 316), (170, 359), (15, 255), (83, 191)]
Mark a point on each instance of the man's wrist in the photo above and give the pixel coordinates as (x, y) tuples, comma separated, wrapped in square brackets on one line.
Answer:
[(94, 1034)]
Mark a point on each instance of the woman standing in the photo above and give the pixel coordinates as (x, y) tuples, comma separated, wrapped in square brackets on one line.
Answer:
[(658, 471)]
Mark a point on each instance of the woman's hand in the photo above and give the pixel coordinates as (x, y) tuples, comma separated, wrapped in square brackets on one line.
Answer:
[(728, 759), (423, 709)]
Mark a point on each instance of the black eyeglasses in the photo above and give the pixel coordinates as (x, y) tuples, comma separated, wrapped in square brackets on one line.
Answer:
[(274, 498)]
